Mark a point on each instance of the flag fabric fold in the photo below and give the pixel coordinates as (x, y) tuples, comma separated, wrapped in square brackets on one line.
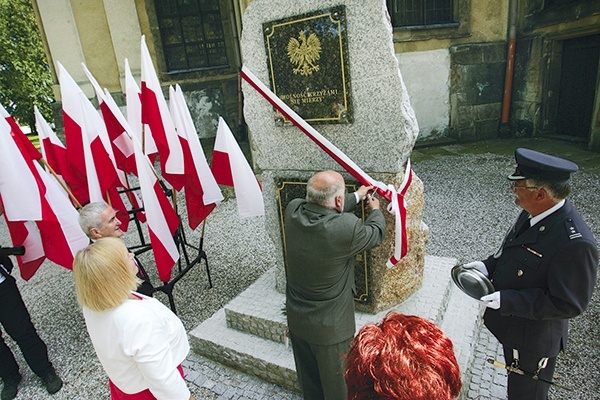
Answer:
[(75, 175), (120, 142), (33, 197), (25, 143), (89, 151), (26, 234), (121, 145), (202, 193), (134, 114), (230, 168), (54, 152), (103, 177), (157, 118), (162, 220)]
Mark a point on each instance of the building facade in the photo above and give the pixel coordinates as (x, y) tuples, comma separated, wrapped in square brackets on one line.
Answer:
[(474, 70)]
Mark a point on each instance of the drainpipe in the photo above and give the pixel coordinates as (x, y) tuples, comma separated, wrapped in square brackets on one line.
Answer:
[(510, 67)]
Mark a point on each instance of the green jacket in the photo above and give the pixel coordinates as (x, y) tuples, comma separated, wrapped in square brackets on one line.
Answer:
[(321, 247)]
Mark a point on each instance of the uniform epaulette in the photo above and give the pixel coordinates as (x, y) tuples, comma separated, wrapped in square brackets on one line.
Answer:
[(572, 229)]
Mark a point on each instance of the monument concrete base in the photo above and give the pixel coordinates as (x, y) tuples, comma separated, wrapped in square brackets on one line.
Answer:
[(249, 333)]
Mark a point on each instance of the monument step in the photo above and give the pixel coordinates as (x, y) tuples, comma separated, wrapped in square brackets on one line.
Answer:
[(264, 358), (259, 310), (247, 334)]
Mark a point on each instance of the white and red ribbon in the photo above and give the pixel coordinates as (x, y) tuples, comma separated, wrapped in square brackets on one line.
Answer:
[(397, 205)]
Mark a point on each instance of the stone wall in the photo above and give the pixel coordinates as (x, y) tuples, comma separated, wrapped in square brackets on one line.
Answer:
[(476, 89)]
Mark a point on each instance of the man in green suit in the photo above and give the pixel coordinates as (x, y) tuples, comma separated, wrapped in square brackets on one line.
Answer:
[(322, 241)]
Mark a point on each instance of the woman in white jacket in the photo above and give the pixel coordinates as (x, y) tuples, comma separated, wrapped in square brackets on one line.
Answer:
[(140, 342)]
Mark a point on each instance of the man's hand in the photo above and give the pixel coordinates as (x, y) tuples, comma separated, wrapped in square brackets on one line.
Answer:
[(363, 191), (492, 300), (373, 203), (479, 266)]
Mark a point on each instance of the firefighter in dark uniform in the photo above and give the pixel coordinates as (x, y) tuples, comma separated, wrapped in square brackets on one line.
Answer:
[(544, 273)]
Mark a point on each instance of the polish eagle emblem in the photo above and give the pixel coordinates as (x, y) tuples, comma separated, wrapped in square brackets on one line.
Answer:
[(304, 53)]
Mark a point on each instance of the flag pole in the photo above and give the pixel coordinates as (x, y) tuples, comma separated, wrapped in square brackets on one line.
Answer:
[(175, 200), (76, 203)]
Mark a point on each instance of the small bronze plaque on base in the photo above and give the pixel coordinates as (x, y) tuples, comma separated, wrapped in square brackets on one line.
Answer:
[(308, 65)]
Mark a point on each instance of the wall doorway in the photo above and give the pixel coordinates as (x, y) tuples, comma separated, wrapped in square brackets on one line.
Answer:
[(577, 91)]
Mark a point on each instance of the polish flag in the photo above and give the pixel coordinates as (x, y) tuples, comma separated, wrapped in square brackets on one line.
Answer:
[(162, 219), (75, 175), (230, 168), (120, 142), (25, 143), (202, 193), (134, 114), (89, 151), (103, 177), (26, 234), (119, 139), (53, 150), (157, 119), (31, 195)]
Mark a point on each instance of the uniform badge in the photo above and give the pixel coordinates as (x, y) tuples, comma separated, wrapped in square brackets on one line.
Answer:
[(572, 229)]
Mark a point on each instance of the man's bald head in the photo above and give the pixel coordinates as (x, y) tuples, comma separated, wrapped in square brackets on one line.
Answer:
[(323, 187)]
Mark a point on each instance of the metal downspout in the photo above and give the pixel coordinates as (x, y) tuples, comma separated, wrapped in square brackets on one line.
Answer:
[(510, 67)]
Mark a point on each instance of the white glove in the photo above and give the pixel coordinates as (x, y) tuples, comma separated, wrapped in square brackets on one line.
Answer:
[(492, 300), (479, 266)]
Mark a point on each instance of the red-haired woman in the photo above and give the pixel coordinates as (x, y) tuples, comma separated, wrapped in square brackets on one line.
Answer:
[(404, 357)]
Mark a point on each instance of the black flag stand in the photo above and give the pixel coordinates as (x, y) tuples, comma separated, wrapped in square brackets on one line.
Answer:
[(185, 262), (183, 245)]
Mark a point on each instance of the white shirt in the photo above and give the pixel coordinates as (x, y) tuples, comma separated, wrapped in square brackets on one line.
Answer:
[(140, 343), (539, 217)]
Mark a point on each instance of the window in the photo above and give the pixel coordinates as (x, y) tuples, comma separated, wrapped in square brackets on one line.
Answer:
[(192, 34), (411, 13)]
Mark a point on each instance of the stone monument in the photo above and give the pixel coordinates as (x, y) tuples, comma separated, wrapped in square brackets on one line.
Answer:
[(370, 120)]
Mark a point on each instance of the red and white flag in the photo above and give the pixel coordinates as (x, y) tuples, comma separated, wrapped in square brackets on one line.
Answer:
[(24, 142), (75, 175), (134, 114), (121, 145), (53, 150), (26, 234), (202, 192), (31, 195), (120, 142), (230, 168), (162, 219), (104, 179), (90, 140), (157, 119)]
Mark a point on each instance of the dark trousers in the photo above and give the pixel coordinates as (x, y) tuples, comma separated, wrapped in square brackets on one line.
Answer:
[(320, 369), (16, 321), (524, 387)]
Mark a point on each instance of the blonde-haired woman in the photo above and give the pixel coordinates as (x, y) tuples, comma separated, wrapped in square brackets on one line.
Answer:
[(139, 341)]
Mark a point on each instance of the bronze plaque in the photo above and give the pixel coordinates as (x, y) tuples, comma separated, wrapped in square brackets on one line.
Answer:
[(308, 65), (289, 189)]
